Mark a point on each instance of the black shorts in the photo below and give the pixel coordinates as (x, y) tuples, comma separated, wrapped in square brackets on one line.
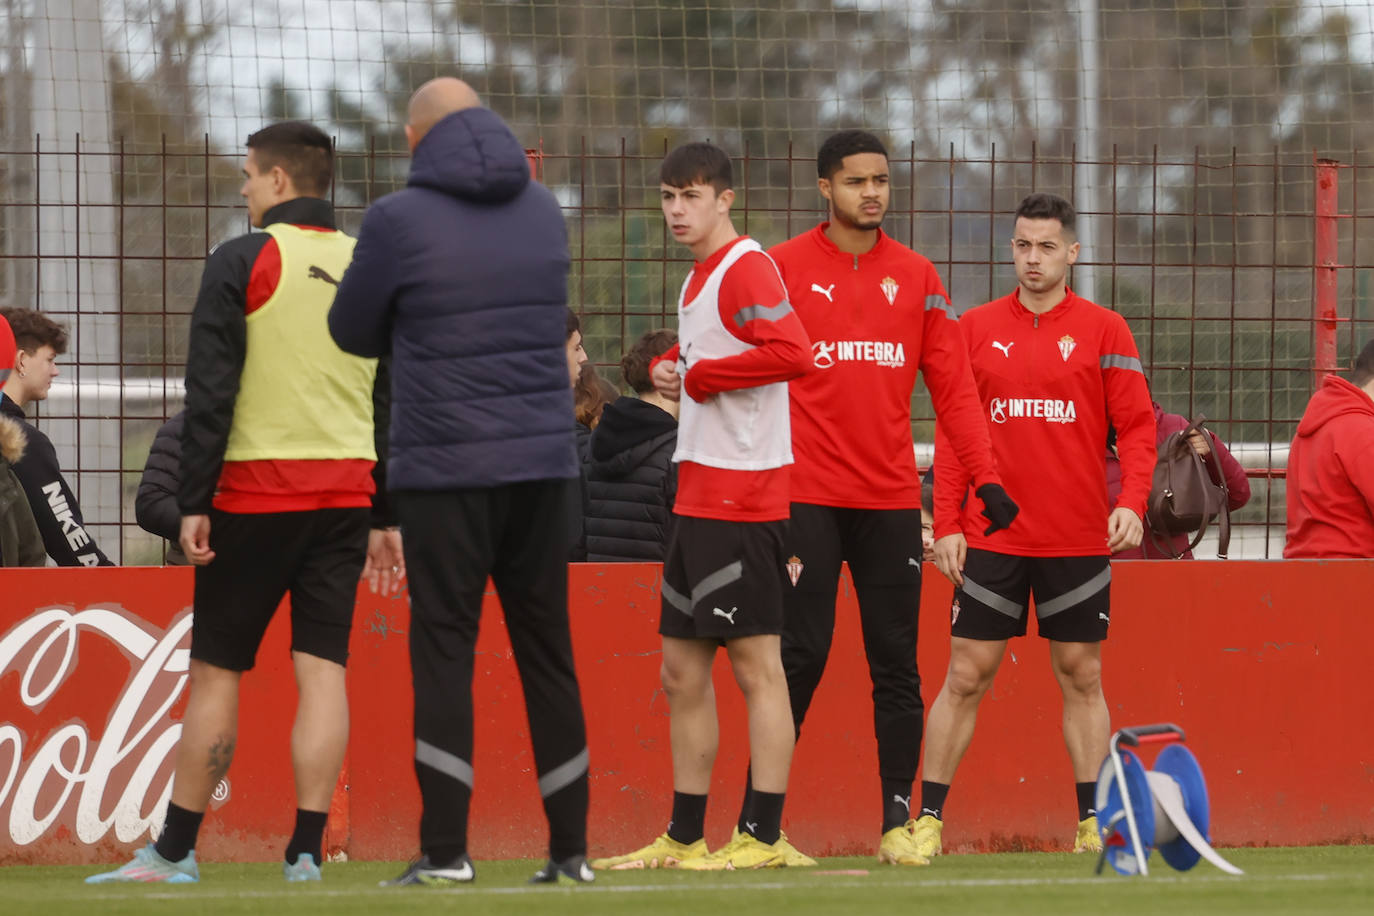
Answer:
[(722, 580), (316, 556), (1072, 597)]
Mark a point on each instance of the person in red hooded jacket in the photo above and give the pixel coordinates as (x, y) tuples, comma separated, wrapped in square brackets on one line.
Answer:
[(1330, 471)]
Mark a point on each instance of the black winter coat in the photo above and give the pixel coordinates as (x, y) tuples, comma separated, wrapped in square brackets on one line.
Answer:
[(462, 277), (21, 543), (155, 506), (631, 482), (51, 500)]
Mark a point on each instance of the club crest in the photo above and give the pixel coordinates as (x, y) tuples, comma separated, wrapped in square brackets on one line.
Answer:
[(890, 288), (794, 569), (1066, 345)]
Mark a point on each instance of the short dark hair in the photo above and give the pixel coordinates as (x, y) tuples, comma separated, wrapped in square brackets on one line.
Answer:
[(303, 151), (572, 325), (34, 329), (634, 365), (1364, 365), (1049, 206), (697, 163), (830, 157)]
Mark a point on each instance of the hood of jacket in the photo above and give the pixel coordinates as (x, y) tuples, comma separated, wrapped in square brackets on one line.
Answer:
[(471, 154), (1336, 398), (625, 424), (12, 440)]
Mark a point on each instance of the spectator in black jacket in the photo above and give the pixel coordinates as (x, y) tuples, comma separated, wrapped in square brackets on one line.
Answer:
[(155, 506), (631, 478), (38, 342), (20, 542)]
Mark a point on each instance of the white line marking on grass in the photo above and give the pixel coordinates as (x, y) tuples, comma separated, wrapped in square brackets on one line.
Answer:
[(418, 894)]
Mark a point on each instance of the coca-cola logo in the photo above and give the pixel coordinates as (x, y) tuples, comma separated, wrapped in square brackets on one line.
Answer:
[(120, 779)]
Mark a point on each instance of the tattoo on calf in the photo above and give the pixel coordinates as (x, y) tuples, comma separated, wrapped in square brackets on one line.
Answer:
[(221, 755)]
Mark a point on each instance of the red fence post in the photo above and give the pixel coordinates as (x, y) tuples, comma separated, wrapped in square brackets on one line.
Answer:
[(1326, 253)]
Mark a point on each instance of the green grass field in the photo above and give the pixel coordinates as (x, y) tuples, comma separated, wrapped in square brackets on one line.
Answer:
[(1326, 880)]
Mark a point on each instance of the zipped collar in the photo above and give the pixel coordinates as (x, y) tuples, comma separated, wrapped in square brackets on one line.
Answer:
[(831, 250), (1022, 313)]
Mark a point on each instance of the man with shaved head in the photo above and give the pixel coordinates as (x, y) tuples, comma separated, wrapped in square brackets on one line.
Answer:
[(461, 277)]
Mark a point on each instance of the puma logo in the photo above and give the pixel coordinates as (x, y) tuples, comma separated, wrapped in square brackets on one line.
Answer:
[(911, 561), (752, 827), (825, 291), (728, 615), (905, 803), (1004, 347), (319, 273), (1102, 616)]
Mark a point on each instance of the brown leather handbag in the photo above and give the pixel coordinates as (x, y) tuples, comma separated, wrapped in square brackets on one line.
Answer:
[(1184, 498)]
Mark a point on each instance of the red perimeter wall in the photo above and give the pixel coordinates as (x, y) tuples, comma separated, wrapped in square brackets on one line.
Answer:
[(1262, 663)]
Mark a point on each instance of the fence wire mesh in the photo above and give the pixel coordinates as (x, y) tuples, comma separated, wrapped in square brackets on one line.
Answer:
[(1185, 134)]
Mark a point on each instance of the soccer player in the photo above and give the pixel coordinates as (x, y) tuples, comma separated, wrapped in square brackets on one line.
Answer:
[(739, 343), (278, 452), (1053, 371), (876, 313)]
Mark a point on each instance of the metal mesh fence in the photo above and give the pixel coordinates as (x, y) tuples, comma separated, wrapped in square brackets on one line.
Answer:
[(1220, 297), (1185, 134)]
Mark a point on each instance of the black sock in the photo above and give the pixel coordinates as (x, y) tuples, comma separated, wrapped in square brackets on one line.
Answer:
[(765, 820), (308, 836), (747, 803), (178, 836), (1087, 795), (689, 818), (933, 799), (896, 803)]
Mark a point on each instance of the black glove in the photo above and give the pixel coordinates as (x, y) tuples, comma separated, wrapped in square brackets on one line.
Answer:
[(998, 507)]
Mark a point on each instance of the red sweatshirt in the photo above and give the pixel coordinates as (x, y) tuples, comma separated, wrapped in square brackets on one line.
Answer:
[(1050, 384), (780, 352), (1331, 475), (874, 319)]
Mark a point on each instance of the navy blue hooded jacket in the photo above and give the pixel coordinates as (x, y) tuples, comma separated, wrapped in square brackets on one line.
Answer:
[(462, 278)]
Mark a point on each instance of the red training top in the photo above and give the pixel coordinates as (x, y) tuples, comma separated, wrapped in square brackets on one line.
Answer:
[(1050, 384), (874, 319), (780, 352)]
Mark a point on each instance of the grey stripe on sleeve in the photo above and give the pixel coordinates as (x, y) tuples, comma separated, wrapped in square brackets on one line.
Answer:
[(1117, 361), (763, 312), (939, 302)]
